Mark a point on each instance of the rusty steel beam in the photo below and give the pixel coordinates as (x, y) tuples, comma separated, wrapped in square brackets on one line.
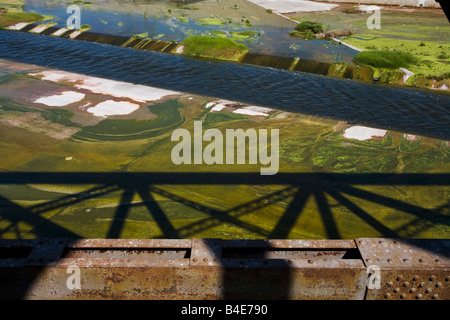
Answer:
[(215, 269), (409, 268)]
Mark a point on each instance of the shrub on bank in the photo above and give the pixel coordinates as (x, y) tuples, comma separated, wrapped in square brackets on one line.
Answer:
[(314, 27), (386, 59), (307, 30)]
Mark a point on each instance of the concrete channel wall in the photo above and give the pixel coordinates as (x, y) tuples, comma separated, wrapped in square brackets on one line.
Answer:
[(406, 3)]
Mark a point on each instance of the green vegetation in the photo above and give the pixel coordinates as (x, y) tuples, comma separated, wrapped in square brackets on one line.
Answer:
[(85, 27), (314, 27), (400, 31), (187, 8), (214, 47), (140, 35), (386, 59), (215, 117), (213, 21), (132, 144), (60, 116), (307, 30), (11, 18)]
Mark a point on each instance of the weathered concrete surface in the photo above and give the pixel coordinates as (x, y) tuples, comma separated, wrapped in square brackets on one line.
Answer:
[(408, 3), (287, 6)]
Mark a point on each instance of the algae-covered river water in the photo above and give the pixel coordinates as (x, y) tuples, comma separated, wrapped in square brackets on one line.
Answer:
[(80, 169)]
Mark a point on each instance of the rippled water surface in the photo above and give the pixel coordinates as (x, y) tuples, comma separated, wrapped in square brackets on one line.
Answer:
[(414, 111)]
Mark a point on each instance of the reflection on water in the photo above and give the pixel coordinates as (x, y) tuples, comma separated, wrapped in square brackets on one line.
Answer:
[(175, 20)]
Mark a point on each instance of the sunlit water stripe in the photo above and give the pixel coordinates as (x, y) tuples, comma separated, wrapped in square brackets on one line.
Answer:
[(413, 111)]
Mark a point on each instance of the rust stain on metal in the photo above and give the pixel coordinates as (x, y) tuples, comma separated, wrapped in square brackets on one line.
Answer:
[(224, 269), (409, 268)]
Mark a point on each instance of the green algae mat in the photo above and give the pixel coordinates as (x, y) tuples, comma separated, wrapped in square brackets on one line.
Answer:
[(66, 172)]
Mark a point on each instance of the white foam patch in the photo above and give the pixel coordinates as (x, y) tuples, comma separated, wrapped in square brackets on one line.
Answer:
[(253, 111), (286, 6), (217, 107), (180, 49), (75, 34), (110, 107), (18, 26), (118, 89), (368, 8), (60, 31), (60, 100), (39, 29), (363, 133)]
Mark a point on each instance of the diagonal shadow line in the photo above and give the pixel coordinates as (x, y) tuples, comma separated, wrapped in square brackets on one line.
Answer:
[(416, 227), (120, 215), (423, 213), (385, 231), (217, 216), (73, 199), (15, 214), (158, 214), (326, 215), (293, 211)]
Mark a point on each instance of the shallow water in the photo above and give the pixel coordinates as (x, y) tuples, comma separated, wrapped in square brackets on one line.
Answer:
[(413, 111)]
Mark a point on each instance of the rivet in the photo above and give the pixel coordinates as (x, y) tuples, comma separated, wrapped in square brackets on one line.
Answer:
[(405, 260), (195, 260), (395, 241), (429, 290), (419, 296), (399, 278), (420, 260), (368, 260), (205, 260), (389, 260), (390, 284), (387, 295), (415, 278), (406, 284), (403, 296), (396, 290), (412, 290), (310, 261), (432, 278), (422, 284), (439, 284), (380, 241), (435, 296), (447, 279)]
